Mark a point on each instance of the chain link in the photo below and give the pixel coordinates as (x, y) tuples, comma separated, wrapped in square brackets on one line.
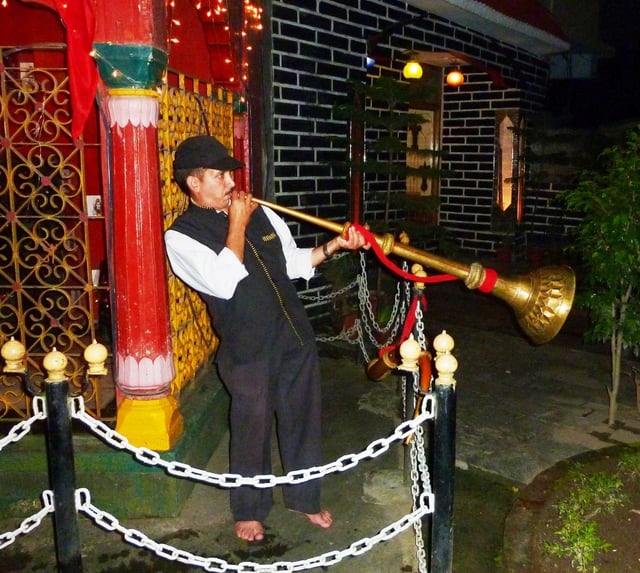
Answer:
[(420, 484), (421, 492), (368, 315), (333, 294), (108, 522), (149, 457), (28, 524), (420, 479), (21, 429), (419, 327), (365, 330)]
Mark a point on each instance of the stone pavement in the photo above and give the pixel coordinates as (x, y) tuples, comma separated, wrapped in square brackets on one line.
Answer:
[(520, 409)]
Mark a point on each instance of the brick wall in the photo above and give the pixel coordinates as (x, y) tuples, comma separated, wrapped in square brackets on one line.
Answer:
[(319, 44)]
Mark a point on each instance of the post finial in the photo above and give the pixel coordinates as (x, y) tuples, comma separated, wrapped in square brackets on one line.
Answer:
[(13, 352), (54, 363), (95, 354)]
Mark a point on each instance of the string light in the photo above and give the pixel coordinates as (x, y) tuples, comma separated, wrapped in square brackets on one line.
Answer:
[(252, 21), (216, 11)]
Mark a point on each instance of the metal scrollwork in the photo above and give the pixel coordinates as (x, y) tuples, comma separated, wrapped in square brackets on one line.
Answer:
[(46, 291)]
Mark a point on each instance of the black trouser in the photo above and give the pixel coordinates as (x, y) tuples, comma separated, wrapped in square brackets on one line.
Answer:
[(285, 384)]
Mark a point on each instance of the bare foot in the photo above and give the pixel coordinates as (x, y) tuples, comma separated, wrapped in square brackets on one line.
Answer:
[(249, 530), (322, 519)]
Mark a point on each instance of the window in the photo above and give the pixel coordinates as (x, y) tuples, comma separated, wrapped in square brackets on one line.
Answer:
[(420, 140), (509, 170)]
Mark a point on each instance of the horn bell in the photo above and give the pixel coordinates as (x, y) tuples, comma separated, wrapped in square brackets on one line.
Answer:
[(541, 300)]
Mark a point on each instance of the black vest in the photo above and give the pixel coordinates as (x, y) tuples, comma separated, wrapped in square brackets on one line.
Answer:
[(265, 302)]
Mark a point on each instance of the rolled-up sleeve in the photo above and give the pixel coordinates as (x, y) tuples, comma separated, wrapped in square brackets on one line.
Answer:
[(201, 268)]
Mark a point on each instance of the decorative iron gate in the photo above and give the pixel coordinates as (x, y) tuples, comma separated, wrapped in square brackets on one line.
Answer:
[(49, 296)]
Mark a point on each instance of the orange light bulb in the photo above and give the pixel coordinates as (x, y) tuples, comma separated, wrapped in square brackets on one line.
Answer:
[(455, 78)]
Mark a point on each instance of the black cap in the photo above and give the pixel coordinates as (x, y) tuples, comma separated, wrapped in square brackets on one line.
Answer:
[(204, 151)]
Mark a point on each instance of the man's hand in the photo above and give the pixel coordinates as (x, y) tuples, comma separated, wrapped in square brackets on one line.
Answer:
[(353, 241), (241, 207), (240, 211)]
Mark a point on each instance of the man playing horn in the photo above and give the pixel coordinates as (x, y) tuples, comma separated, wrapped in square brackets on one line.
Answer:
[(241, 258)]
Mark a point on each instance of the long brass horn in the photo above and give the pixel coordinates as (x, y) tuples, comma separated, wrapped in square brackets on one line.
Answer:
[(541, 299)]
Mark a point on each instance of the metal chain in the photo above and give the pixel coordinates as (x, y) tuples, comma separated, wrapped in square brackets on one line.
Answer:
[(368, 318), (366, 306), (333, 294), (420, 485), (419, 327), (21, 429), (422, 505), (28, 524), (362, 331), (361, 341), (348, 335), (135, 537), (181, 470), (420, 479)]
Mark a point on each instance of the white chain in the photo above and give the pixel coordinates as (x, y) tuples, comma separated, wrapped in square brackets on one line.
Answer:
[(21, 429), (344, 463), (367, 322), (135, 537), (347, 335), (361, 341), (423, 500), (28, 524), (333, 294)]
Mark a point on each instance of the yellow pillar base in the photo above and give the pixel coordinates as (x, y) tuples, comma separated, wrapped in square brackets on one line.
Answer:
[(155, 424)]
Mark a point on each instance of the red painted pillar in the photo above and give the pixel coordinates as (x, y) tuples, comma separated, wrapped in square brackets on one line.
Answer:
[(131, 59)]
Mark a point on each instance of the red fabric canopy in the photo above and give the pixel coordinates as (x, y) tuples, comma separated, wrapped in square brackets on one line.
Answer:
[(77, 17)]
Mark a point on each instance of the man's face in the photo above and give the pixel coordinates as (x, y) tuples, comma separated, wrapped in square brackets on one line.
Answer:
[(211, 188)]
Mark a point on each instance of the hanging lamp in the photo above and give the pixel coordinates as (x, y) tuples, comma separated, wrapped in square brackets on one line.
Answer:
[(412, 70), (455, 78)]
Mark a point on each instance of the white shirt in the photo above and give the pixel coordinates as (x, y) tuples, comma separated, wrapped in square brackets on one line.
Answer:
[(218, 275)]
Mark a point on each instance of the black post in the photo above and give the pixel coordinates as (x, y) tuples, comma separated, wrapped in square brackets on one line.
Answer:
[(62, 477), (443, 467)]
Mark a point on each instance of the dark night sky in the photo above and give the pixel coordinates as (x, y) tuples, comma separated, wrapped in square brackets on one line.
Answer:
[(614, 96)]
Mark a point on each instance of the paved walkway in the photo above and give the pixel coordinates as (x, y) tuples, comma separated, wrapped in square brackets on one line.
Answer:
[(521, 407)]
